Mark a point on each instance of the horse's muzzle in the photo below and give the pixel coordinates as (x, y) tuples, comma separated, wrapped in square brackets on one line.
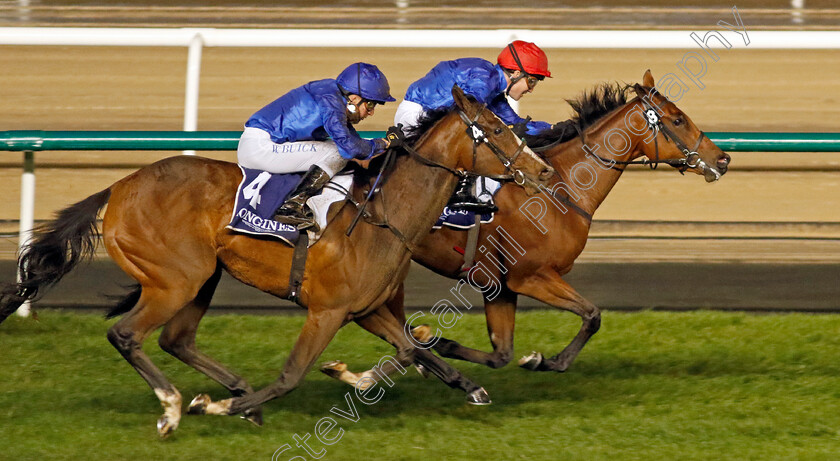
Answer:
[(723, 163)]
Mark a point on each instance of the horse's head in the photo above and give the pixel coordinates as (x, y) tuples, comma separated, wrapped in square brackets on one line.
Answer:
[(490, 148), (684, 144)]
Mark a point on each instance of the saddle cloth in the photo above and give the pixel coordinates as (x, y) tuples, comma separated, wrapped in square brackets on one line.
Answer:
[(260, 194), (463, 220)]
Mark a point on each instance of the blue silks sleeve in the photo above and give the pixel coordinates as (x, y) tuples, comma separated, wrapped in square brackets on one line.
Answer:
[(500, 107), (350, 144)]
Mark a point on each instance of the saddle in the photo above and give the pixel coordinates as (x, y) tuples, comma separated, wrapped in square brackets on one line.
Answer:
[(260, 193)]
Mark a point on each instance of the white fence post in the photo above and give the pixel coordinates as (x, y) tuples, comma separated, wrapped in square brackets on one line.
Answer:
[(27, 213), (193, 76)]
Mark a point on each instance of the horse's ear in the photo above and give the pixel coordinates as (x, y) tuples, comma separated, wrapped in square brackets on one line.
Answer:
[(647, 80), (460, 98)]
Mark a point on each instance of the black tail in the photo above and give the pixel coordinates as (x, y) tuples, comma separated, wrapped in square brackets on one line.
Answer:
[(54, 250), (125, 303)]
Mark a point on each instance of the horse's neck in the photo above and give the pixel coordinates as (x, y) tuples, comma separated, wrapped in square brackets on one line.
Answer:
[(415, 194), (571, 158)]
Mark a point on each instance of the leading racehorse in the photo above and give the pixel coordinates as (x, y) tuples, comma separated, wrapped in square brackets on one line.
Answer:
[(550, 230), (165, 227)]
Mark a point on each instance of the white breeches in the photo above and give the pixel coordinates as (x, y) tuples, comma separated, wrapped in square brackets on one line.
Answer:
[(408, 113), (257, 150)]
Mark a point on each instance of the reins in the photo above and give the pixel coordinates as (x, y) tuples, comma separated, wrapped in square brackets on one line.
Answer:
[(479, 136)]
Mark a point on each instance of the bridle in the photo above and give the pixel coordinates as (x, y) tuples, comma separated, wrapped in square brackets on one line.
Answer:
[(691, 157), (478, 134), (654, 122)]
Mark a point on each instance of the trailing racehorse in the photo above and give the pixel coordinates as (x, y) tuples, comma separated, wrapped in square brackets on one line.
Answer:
[(165, 227), (551, 232)]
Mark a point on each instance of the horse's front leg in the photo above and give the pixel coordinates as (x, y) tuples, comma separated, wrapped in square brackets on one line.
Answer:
[(388, 323), (551, 289), (318, 330)]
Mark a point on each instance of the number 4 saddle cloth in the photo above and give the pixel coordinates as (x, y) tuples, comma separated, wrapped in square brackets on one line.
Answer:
[(260, 194)]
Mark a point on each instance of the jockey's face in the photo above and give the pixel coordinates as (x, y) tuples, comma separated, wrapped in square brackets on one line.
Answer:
[(364, 109), (522, 87)]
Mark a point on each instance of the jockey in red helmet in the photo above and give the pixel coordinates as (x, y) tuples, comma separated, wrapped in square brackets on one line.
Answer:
[(523, 60), (520, 66)]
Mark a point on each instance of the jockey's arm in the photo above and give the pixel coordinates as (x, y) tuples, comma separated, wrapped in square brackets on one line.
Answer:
[(350, 145)]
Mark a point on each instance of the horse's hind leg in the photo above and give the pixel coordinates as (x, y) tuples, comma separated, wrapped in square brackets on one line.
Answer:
[(554, 291), (178, 339), (154, 308)]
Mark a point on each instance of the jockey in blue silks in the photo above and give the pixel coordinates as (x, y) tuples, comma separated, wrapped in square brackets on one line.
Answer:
[(310, 129), (520, 66)]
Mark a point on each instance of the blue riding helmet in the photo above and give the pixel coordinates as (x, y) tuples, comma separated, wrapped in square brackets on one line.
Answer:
[(367, 81)]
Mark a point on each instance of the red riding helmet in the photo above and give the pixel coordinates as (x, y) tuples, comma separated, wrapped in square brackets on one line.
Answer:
[(524, 56)]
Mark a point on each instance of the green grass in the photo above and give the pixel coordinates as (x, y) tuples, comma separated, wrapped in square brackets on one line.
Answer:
[(649, 386)]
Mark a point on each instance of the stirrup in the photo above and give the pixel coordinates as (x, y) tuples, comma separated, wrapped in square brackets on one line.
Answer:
[(474, 205), (301, 221), (464, 198)]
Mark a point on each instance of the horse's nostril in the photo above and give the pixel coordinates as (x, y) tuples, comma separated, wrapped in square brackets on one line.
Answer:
[(546, 174), (723, 161)]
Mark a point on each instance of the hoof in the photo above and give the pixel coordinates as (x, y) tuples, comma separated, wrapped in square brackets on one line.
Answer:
[(532, 361), (334, 369), (198, 406), (254, 415), (422, 333), (165, 426), (422, 370), (479, 397)]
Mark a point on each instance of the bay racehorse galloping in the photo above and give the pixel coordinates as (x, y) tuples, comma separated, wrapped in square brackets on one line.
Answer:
[(552, 231), (165, 227)]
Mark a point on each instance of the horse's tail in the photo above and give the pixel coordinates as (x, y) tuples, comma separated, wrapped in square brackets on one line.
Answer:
[(54, 250), (125, 303)]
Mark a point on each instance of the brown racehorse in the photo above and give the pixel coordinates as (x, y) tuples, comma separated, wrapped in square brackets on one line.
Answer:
[(553, 233), (165, 227)]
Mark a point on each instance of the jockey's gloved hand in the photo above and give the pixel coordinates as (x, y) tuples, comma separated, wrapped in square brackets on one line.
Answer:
[(520, 129), (395, 136)]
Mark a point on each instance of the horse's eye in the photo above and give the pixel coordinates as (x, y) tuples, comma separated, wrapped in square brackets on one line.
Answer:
[(678, 121), (498, 131)]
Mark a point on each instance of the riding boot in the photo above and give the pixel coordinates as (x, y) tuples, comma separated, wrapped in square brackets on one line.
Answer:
[(465, 199), (294, 211)]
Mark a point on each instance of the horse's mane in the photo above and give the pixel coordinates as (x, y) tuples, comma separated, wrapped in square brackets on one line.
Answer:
[(589, 107), (426, 122)]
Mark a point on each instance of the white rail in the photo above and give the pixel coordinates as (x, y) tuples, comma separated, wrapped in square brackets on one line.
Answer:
[(396, 38)]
